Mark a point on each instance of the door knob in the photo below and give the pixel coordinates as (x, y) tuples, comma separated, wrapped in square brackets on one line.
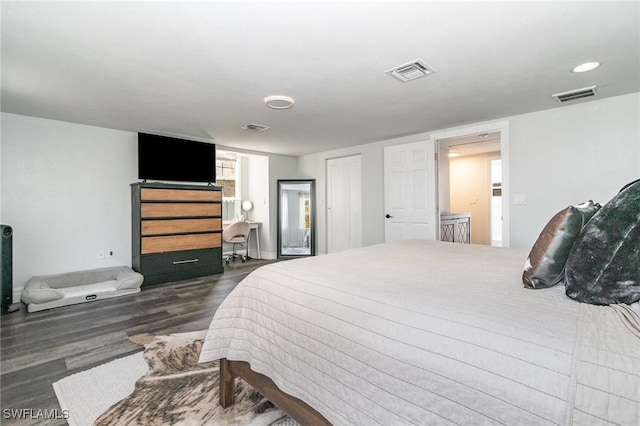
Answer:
[(388, 216)]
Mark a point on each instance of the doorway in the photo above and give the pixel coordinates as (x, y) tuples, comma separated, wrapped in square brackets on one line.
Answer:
[(472, 179)]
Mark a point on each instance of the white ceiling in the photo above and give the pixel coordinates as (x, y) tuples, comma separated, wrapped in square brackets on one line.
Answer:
[(201, 69)]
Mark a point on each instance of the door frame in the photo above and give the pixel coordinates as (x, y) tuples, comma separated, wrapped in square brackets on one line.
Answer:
[(495, 126), (490, 190)]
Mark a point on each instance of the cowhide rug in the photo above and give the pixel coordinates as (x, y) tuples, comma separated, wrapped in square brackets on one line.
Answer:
[(177, 390)]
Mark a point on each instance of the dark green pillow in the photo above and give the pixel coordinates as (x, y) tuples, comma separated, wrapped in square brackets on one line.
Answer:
[(545, 264), (604, 264)]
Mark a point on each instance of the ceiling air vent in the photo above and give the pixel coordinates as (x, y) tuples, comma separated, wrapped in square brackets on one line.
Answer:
[(411, 70), (572, 95), (255, 127)]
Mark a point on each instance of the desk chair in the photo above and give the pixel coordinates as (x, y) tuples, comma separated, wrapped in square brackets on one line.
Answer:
[(237, 234)]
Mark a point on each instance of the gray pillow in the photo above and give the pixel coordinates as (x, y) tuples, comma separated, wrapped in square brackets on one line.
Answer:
[(604, 264), (545, 264)]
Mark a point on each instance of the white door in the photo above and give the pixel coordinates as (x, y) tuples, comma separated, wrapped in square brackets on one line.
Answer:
[(344, 203), (409, 192)]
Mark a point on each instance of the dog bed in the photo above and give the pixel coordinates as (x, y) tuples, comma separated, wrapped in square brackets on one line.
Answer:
[(52, 291)]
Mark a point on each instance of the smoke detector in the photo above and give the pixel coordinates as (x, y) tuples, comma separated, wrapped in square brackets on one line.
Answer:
[(573, 95), (411, 70), (256, 128)]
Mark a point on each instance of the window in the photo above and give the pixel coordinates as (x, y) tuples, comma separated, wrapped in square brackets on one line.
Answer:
[(227, 175), (228, 172)]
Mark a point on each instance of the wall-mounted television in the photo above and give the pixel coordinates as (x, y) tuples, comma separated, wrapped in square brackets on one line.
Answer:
[(170, 159)]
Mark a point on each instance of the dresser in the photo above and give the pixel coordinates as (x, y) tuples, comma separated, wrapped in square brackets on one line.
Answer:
[(176, 231), (455, 227)]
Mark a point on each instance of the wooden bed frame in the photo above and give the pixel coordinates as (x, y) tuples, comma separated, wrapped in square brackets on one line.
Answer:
[(294, 407)]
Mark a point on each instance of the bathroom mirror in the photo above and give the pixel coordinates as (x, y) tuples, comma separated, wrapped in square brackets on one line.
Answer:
[(296, 218)]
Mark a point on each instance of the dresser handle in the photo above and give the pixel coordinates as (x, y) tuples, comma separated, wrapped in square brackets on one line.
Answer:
[(179, 262)]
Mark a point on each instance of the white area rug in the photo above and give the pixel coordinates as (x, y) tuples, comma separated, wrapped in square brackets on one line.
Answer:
[(87, 394), (174, 390)]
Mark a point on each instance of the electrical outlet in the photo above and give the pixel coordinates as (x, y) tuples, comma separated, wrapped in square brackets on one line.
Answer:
[(100, 254), (111, 254)]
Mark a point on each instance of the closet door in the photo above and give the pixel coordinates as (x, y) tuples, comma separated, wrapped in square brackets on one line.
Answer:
[(344, 203)]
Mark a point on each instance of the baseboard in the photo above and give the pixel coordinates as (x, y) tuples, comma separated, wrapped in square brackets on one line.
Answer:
[(268, 255)]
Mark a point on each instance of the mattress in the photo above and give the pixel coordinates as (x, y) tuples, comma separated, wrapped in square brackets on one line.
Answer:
[(425, 332)]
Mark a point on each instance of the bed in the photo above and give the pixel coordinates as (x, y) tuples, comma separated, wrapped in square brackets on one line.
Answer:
[(426, 333)]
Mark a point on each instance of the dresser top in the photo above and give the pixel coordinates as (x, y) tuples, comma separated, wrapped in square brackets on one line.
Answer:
[(164, 185)]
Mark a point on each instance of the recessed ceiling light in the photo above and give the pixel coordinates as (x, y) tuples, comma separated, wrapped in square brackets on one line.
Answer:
[(587, 66), (279, 102)]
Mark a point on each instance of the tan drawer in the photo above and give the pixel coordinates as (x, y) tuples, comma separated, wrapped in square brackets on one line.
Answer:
[(180, 242), (179, 209), (155, 194), (180, 226)]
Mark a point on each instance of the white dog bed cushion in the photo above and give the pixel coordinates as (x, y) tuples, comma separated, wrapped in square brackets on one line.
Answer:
[(52, 291)]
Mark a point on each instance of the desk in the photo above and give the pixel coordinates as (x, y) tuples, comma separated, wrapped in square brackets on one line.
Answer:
[(254, 228)]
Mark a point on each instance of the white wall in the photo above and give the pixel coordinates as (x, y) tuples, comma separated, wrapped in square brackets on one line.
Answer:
[(568, 155), (66, 192), (556, 157)]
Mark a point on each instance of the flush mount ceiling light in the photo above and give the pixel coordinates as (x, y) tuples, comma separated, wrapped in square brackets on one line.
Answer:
[(279, 102), (587, 66)]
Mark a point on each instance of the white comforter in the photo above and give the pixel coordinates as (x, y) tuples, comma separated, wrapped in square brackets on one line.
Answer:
[(424, 332)]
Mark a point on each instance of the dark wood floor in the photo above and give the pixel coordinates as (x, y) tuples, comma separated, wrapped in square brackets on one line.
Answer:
[(40, 348)]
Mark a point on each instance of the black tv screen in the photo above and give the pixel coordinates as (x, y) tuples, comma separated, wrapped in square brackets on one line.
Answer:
[(165, 158)]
